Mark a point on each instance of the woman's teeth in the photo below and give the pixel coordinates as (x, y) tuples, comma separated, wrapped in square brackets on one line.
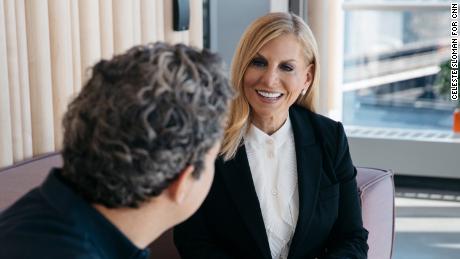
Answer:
[(268, 94)]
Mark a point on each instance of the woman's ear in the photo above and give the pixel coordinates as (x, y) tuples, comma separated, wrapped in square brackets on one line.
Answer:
[(309, 72), (181, 187)]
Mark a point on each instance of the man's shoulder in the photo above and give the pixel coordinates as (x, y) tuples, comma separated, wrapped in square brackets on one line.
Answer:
[(44, 237), (30, 208), (32, 228), (21, 246)]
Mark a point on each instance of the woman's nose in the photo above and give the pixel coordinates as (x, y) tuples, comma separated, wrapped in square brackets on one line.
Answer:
[(270, 77)]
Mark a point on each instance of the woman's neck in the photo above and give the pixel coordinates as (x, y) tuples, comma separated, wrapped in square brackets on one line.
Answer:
[(269, 124)]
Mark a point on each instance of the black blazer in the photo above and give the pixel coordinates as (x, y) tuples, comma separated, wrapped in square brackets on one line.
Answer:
[(229, 223)]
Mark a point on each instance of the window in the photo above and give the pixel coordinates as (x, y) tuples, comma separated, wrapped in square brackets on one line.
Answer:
[(393, 51)]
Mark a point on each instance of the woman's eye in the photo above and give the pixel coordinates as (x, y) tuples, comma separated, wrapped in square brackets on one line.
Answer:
[(258, 62), (287, 67)]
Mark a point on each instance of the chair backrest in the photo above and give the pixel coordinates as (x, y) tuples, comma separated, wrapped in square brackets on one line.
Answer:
[(19, 178), (376, 189), (375, 186)]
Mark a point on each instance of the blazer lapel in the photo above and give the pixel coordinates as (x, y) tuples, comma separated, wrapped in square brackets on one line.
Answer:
[(309, 167), (238, 179)]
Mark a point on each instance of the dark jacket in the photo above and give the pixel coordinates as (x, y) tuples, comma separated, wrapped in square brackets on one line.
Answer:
[(53, 221), (229, 224)]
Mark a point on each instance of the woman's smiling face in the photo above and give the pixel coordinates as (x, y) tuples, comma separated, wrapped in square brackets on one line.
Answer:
[(275, 78)]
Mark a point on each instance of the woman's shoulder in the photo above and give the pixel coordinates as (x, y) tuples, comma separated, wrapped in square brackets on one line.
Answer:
[(325, 126), (328, 132)]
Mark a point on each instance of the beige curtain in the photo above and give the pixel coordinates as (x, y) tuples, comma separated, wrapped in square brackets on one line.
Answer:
[(47, 48)]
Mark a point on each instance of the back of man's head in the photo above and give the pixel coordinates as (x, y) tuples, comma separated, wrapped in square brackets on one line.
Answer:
[(142, 118)]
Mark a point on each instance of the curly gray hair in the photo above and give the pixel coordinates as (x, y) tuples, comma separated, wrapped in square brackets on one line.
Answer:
[(141, 118)]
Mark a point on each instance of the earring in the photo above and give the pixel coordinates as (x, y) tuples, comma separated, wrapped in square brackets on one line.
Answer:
[(303, 91)]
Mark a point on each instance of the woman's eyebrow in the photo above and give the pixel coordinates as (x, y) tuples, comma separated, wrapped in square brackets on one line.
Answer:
[(258, 55), (282, 61)]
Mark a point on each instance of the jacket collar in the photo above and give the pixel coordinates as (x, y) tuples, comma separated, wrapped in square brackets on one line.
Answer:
[(238, 179), (237, 176), (309, 168)]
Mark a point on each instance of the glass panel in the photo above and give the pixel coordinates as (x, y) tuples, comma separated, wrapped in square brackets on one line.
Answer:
[(399, 1), (391, 64)]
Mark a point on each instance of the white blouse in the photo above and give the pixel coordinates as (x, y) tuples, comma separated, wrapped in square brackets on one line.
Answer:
[(272, 160)]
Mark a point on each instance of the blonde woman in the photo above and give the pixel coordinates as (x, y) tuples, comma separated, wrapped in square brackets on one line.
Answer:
[(285, 184)]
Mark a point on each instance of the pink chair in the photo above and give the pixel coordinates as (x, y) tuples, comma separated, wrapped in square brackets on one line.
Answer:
[(375, 186), (376, 190)]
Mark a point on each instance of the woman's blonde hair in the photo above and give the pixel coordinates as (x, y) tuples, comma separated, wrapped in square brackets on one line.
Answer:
[(260, 32)]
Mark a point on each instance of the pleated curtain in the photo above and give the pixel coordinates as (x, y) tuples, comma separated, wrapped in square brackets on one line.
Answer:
[(47, 49)]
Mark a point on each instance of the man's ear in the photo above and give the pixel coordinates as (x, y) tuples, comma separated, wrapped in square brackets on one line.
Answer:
[(180, 188)]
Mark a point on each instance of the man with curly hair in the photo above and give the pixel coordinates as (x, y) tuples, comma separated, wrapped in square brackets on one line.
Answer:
[(140, 142)]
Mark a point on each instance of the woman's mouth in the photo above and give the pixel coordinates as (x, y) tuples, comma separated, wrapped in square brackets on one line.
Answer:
[(269, 96)]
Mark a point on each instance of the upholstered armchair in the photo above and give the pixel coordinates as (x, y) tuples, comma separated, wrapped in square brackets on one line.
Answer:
[(375, 186)]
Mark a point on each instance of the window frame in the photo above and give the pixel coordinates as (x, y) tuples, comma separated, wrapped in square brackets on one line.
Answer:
[(432, 158)]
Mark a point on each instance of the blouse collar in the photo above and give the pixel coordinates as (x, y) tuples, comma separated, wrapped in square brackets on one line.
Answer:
[(258, 137)]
